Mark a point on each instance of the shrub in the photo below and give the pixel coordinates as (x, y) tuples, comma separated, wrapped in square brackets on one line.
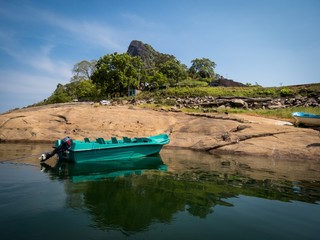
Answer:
[(286, 92)]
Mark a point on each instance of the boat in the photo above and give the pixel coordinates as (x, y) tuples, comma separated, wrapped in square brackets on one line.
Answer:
[(307, 119), (93, 171), (101, 149)]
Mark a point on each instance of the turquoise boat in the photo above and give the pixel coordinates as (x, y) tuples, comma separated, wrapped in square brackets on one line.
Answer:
[(308, 119), (93, 171), (100, 149)]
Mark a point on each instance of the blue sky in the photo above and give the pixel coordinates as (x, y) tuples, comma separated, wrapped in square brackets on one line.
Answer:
[(269, 42)]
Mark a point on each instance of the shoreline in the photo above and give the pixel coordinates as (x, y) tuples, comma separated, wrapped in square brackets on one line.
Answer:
[(236, 134)]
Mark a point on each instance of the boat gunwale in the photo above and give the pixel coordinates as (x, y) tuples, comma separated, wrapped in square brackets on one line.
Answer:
[(305, 115), (116, 145)]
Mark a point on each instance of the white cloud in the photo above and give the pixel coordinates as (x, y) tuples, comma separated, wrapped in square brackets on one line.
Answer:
[(24, 83), (39, 57), (8, 42), (20, 89), (91, 32), (41, 61), (139, 21)]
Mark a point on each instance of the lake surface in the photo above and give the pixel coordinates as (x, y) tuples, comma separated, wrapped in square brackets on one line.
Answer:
[(179, 194)]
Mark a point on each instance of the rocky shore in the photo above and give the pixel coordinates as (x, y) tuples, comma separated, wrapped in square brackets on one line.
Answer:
[(209, 102), (211, 132)]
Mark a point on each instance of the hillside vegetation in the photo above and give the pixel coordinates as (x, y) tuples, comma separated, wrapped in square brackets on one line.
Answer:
[(309, 90), (144, 73)]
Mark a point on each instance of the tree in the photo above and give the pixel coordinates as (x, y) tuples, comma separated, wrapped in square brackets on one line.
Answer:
[(85, 90), (163, 58), (157, 80), (202, 68), (116, 74), (174, 71), (60, 95), (83, 70)]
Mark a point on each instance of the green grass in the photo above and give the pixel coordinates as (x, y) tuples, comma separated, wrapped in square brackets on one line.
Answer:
[(286, 113), (311, 90), (283, 113)]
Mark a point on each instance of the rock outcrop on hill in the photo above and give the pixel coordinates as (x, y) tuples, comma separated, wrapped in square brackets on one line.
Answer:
[(151, 57), (145, 51), (224, 82)]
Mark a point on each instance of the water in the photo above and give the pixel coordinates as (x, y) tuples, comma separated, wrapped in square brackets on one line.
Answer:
[(178, 195)]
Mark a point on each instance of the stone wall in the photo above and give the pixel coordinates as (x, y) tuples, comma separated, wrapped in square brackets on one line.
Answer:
[(210, 102)]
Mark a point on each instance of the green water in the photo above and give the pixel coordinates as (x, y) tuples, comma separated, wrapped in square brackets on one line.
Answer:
[(178, 195)]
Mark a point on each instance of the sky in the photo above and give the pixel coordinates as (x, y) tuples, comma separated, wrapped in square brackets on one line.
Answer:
[(268, 42)]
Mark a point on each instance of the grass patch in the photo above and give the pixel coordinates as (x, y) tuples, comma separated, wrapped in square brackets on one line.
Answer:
[(283, 113), (162, 98), (310, 90)]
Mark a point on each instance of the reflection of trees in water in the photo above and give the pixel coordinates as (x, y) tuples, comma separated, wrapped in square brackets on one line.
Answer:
[(133, 203), (275, 189)]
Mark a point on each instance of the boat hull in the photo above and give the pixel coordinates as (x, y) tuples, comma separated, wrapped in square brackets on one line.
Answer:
[(307, 119), (81, 152), (92, 171)]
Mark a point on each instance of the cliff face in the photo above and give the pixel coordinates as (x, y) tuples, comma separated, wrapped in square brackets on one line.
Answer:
[(145, 51)]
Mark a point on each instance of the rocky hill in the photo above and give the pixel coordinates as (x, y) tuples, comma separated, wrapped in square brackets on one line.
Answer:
[(148, 55), (151, 58)]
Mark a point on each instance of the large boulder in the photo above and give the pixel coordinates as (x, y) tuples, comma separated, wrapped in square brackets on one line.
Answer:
[(223, 82)]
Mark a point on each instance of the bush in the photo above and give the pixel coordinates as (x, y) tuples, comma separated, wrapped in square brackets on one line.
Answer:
[(286, 92)]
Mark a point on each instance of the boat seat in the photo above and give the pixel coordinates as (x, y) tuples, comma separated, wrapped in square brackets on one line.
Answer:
[(87, 140), (114, 140), (126, 140), (101, 141)]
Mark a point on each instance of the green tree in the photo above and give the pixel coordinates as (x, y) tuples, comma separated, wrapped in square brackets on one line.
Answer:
[(60, 95), (162, 58), (174, 71), (157, 80), (116, 74), (203, 69), (83, 70), (85, 90)]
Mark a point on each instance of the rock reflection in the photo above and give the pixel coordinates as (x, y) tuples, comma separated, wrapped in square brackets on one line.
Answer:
[(22, 153)]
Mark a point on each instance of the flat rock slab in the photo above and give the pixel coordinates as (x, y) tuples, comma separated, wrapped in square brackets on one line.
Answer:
[(215, 133)]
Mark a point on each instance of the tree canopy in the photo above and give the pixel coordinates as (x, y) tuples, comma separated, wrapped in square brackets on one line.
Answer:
[(174, 71), (116, 74), (202, 68), (83, 70)]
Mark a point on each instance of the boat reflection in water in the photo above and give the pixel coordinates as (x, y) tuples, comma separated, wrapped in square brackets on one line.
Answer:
[(182, 194), (198, 191), (92, 171)]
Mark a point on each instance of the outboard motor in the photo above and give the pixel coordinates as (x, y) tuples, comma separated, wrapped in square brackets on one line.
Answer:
[(64, 146)]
